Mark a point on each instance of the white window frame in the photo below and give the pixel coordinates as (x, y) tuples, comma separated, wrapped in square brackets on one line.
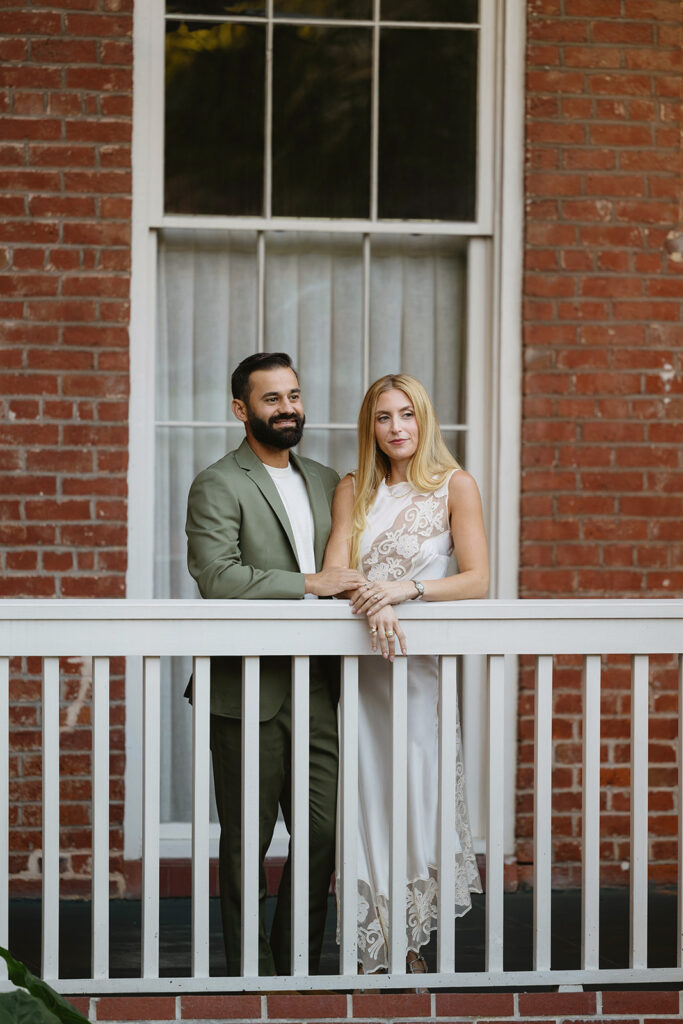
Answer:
[(493, 387)]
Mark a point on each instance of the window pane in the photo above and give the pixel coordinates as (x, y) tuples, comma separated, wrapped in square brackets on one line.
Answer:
[(430, 10), (417, 321), (314, 288), (427, 134), (360, 9), (337, 448), (206, 321), (214, 139), (321, 121), (236, 7)]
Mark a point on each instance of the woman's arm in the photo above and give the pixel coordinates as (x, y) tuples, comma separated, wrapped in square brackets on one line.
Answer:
[(471, 551), (339, 542)]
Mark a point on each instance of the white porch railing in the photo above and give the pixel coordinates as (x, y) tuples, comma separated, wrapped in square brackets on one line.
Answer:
[(150, 630)]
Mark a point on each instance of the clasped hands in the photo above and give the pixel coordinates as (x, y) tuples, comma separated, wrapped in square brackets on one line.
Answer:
[(375, 599)]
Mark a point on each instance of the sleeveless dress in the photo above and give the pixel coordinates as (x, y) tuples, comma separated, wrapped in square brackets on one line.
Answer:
[(407, 536)]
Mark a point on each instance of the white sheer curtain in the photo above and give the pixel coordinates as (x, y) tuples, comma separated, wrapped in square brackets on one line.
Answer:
[(313, 309)]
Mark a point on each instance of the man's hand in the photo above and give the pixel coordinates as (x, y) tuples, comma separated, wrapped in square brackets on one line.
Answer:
[(333, 581)]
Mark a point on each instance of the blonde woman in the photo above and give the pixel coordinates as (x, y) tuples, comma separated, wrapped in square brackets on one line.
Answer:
[(398, 519)]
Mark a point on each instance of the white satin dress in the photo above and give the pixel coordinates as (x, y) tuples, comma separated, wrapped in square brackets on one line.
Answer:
[(407, 536)]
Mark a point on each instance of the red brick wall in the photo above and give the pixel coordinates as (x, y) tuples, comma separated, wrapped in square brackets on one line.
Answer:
[(65, 173), (629, 1007), (602, 475)]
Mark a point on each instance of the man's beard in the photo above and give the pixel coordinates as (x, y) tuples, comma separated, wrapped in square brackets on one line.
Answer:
[(267, 433)]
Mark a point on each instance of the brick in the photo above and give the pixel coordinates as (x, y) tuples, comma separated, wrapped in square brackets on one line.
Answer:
[(397, 1004), (644, 1002), (224, 1007), (136, 1008), (474, 1004), (305, 1006)]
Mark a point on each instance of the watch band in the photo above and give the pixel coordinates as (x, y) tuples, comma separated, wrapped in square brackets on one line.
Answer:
[(420, 590)]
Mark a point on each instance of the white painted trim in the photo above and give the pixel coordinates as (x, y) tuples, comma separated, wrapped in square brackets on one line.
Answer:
[(484, 980), (146, 154), (499, 212), (176, 840), (506, 373), (466, 229)]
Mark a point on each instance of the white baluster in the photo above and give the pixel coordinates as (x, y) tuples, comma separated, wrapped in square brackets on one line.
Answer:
[(50, 951), (399, 808), (4, 809), (201, 672), (448, 699), (250, 816), (543, 767), (590, 868), (348, 813), (100, 818), (495, 835), (300, 813), (639, 786), (150, 817)]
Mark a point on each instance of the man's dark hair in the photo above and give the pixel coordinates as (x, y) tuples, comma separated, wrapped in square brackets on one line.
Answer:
[(258, 361)]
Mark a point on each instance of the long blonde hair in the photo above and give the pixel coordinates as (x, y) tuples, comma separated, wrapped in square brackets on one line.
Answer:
[(428, 467)]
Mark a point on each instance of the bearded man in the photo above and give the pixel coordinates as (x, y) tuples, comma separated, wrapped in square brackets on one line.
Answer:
[(257, 525)]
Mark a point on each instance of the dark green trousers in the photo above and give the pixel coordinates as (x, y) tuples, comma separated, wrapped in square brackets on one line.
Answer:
[(275, 790)]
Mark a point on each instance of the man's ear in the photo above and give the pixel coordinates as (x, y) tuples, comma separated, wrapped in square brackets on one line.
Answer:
[(239, 410)]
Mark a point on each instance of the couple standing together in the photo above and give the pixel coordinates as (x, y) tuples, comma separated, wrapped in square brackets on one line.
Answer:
[(263, 523)]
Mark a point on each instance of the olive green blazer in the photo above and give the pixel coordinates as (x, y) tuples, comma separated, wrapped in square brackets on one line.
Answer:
[(240, 545)]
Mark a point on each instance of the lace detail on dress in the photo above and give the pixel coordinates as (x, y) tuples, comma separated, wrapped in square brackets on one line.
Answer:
[(422, 894), (392, 553)]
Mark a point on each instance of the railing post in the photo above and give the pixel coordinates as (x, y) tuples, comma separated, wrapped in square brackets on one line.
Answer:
[(300, 814), (543, 769), (201, 676), (448, 716), (590, 865), (250, 816), (679, 942), (150, 816), (639, 837), (348, 813), (399, 808), (4, 809), (495, 833), (50, 944), (100, 818)]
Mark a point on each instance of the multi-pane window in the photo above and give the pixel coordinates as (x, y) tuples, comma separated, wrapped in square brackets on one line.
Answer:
[(323, 190)]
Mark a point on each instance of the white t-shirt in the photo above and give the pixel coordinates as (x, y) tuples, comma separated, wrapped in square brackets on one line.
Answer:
[(292, 491)]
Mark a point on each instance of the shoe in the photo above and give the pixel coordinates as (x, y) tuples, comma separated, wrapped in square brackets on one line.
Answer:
[(417, 965)]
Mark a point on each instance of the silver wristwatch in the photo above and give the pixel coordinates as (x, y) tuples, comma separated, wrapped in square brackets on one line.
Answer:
[(420, 590)]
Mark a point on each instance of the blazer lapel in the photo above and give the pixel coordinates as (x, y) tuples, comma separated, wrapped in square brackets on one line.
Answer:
[(319, 507), (250, 462)]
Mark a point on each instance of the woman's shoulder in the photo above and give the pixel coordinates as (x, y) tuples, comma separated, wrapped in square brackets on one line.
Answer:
[(462, 487), (346, 488)]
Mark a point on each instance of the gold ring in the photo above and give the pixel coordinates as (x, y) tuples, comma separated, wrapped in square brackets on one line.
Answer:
[(373, 630), (389, 633)]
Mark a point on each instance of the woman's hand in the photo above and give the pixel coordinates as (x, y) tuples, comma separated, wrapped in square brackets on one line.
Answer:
[(385, 630), (373, 596)]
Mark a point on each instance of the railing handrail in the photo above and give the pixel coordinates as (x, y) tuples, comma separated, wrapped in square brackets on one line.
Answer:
[(196, 608), (302, 628)]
